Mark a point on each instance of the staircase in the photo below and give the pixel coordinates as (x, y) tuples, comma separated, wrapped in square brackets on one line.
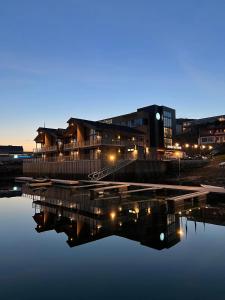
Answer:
[(98, 175)]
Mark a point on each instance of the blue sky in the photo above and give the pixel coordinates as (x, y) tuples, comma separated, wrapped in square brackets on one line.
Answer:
[(97, 58)]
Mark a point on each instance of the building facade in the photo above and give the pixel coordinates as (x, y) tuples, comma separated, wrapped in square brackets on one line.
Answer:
[(206, 131), (144, 134), (158, 123)]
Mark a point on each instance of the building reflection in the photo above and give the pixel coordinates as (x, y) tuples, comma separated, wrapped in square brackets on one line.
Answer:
[(145, 219)]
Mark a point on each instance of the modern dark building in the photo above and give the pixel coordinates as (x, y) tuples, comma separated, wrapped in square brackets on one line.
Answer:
[(158, 123)]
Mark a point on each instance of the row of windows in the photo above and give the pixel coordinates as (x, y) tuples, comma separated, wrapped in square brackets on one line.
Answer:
[(168, 142), (167, 114), (134, 123), (168, 132), (167, 122)]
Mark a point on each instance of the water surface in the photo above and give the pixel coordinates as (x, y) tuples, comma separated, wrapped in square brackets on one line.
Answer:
[(52, 248)]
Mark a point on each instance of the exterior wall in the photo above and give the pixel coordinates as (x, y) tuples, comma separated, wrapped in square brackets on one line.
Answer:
[(151, 120), (65, 169), (139, 170)]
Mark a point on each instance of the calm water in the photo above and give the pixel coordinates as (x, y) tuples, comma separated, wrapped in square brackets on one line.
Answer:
[(57, 244)]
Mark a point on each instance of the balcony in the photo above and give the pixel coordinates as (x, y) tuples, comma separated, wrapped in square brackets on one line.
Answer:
[(102, 142), (46, 149)]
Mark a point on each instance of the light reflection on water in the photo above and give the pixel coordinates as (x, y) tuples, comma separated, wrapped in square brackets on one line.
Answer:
[(56, 244)]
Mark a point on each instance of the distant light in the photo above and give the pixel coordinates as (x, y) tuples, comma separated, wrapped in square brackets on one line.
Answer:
[(195, 146), (187, 145), (16, 156), (180, 212), (15, 188), (210, 147)]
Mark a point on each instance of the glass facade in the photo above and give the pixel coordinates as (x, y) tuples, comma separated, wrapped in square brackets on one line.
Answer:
[(168, 131)]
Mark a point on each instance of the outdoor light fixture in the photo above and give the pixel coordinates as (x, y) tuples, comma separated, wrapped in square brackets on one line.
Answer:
[(112, 215), (111, 157)]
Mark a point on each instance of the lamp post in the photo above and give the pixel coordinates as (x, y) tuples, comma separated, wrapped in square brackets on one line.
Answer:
[(179, 163)]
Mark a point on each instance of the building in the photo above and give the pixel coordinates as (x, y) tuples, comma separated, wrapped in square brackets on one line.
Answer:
[(10, 152), (202, 132), (90, 140), (158, 123), (144, 134)]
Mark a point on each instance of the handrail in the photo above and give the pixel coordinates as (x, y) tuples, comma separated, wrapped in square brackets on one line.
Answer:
[(99, 142), (100, 174), (45, 149)]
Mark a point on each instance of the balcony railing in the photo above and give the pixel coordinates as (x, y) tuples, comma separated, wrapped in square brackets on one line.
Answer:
[(102, 142), (91, 143), (45, 149)]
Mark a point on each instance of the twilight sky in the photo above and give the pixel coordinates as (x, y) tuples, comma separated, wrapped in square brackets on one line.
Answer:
[(99, 58)]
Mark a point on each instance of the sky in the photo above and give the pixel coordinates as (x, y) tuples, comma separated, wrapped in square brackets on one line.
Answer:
[(99, 58)]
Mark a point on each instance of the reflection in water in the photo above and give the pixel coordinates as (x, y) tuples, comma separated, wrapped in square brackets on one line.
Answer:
[(146, 219)]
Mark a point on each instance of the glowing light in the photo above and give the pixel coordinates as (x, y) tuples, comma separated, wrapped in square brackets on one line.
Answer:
[(178, 154), (195, 146), (120, 224), (149, 210), (203, 147), (180, 232), (99, 226), (118, 137), (112, 215), (177, 145), (162, 237), (15, 156), (15, 188), (180, 212), (120, 208), (111, 157), (136, 210), (187, 145), (210, 147)]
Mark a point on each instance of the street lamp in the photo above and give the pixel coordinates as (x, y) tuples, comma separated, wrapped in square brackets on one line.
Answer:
[(178, 155)]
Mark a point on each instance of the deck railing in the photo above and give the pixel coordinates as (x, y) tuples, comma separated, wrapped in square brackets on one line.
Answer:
[(102, 142), (90, 143), (45, 149)]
